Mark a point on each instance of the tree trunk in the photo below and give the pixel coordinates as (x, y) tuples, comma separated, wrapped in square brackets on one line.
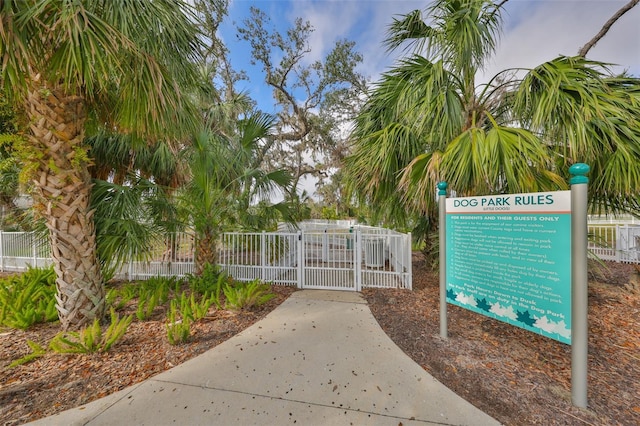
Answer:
[(62, 188), (205, 251)]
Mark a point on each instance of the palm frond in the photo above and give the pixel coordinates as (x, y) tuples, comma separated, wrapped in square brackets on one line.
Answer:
[(410, 27), (124, 229), (141, 68), (587, 115)]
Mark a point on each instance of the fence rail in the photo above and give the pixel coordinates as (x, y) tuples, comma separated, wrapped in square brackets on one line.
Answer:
[(318, 255), (361, 256), (615, 242)]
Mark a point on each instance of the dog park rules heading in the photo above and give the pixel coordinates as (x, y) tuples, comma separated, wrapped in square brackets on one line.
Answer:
[(509, 257)]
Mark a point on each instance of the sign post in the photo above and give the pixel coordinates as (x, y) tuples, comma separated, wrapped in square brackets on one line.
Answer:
[(521, 259), (442, 236), (579, 284)]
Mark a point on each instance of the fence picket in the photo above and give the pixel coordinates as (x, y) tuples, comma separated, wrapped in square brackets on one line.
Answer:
[(615, 242), (279, 257), (376, 257)]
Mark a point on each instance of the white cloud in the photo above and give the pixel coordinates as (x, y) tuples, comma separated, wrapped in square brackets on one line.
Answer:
[(331, 20), (538, 31), (362, 21), (534, 30), (503, 311)]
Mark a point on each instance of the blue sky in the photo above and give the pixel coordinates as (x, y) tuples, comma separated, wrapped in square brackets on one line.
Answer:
[(534, 31)]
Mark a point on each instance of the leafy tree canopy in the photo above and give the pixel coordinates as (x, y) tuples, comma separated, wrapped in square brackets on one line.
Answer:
[(428, 120)]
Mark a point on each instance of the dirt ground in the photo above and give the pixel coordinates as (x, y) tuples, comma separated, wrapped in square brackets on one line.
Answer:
[(516, 376)]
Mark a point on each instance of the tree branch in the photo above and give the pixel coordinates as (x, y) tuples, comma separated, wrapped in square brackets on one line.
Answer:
[(607, 26), (498, 6)]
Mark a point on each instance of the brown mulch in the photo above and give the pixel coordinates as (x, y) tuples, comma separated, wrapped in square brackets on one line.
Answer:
[(516, 376), (58, 382)]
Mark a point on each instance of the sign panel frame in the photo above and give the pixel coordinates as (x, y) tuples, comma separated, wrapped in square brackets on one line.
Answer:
[(509, 257)]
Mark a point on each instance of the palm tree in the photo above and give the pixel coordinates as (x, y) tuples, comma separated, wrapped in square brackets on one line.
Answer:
[(428, 120), (228, 190), (124, 221), (133, 196), (115, 64)]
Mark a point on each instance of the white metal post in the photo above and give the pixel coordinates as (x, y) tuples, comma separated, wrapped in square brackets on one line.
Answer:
[(325, 246), (617, 246), (263, 256), (1, 252), (300, 259), (34, 253), (407, 261), (579, 285), (357, 257), (442, 240)]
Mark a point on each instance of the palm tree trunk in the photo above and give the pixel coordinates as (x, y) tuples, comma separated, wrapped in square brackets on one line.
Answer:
[(62, 188), (205, 251)]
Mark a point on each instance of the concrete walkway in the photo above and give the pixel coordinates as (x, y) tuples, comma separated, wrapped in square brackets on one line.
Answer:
[(320, 358)]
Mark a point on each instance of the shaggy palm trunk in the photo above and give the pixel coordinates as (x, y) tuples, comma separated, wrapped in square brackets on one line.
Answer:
[(205, 251), (62, 190)]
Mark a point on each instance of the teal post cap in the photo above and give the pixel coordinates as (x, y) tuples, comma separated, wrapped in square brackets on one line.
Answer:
[(442, 188), (578, 172)]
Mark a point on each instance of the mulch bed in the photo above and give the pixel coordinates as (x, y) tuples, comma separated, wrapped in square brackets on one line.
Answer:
[(55, 382), (519, 377)]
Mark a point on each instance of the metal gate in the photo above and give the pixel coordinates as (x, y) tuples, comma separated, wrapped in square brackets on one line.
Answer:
[(330, 260), (350, 258), (347, 258)]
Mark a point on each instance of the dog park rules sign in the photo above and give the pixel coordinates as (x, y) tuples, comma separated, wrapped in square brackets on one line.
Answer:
[(509, 257)]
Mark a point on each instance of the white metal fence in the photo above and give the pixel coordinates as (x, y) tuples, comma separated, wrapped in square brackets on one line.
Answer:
[(266, 256), (331, 255), (615, 242), (19, 249), (328, 255), (334, 258), (171, 257)]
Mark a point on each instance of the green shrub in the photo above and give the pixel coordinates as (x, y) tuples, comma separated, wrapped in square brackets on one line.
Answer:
[(92, 339), (161, 286), (222, 281), (149, 299), (247, 295), (183, 307), (117, 298), (147, 302), (36, 352), (178, 326), (200, 308), (28, 298), (210, 283)]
